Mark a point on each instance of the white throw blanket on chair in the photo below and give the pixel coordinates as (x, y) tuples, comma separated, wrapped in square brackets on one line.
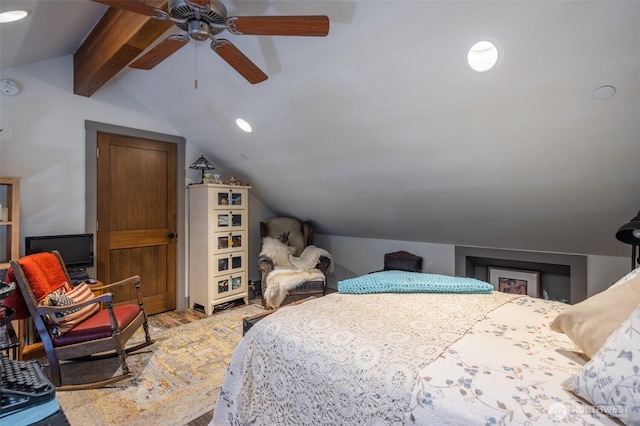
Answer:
[(280, 281), (310, 257), (289, 274)]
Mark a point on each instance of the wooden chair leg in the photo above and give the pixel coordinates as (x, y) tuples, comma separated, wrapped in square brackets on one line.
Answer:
[(145, 326), (122, 354), (54, 371), (145, 323), (54, 363)]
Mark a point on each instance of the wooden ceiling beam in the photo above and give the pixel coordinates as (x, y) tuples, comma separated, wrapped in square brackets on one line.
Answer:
[(118, 38)]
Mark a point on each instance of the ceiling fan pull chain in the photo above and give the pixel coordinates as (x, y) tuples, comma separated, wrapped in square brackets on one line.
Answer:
[(195, 82)]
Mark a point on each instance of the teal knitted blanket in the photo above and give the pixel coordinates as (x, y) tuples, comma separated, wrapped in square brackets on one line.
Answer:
[(412, 282)]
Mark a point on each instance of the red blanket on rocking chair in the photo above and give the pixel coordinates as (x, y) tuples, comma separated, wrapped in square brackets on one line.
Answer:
[(45, 275)]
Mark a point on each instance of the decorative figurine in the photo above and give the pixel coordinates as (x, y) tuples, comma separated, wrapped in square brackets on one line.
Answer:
[(207, 178)]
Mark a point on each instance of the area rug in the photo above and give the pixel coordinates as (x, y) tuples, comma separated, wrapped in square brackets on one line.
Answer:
[(174, 381)]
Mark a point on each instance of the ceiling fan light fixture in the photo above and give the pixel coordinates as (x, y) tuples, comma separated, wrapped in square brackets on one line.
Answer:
[(13, 16), (198, 30), (244, 125), (482, 56)]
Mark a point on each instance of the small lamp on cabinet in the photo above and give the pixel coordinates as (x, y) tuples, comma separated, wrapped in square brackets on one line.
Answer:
[(630, 233), (202, 164)]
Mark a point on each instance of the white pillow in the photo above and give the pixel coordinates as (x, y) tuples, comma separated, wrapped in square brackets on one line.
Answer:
[(633, 274), (610, 381), (589, 323)]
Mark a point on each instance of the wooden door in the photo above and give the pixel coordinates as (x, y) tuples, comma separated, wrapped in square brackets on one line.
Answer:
[(136, 217)]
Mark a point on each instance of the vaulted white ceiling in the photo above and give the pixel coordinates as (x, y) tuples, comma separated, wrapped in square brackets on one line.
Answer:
[(382, 130)]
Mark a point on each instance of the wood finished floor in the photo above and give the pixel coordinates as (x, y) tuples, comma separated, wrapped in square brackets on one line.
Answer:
[(171, 319)]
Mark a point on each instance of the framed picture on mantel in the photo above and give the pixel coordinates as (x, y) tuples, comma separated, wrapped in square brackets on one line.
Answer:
[(515, 281)]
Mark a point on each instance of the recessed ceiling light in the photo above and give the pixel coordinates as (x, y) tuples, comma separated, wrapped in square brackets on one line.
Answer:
[(243, 125), (603, 93), (13, 15), (482, 56)]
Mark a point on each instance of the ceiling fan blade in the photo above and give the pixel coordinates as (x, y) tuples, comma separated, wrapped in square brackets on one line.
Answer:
[(137, 6), (160, 52), (315, 26), (234, 57)]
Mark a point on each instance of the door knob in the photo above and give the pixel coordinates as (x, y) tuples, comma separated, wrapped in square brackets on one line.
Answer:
[(171, 235)]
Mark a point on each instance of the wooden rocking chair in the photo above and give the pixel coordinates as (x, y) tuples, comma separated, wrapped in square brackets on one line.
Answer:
[(104, 331)]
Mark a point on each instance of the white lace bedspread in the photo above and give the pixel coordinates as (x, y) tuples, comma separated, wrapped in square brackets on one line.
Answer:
[(389, 359), (343, 359)]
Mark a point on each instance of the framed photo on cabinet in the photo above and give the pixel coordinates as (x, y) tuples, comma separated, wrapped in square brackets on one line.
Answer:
[(515, 281)]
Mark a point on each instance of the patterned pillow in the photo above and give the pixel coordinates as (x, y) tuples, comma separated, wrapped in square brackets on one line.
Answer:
[(64, 321), (610, 380), (60, 299)]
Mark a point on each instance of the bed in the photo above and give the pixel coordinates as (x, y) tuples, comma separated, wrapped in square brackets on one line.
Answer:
[(425, 358)]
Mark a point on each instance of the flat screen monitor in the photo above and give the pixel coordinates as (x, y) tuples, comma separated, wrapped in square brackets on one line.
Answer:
[(76, 249)]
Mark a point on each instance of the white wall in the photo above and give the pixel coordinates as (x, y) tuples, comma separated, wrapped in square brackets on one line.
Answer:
[(258, 212), (602, 271), (43, 139), (357, 256)]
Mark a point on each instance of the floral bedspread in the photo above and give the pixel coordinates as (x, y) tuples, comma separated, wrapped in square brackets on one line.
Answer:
[(508, 369), (391, 359)]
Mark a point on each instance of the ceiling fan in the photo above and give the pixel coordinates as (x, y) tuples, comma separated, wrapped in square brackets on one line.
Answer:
[(205, 19)]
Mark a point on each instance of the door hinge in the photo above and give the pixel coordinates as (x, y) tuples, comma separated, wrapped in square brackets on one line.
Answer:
[(97, 152), (97, 226)]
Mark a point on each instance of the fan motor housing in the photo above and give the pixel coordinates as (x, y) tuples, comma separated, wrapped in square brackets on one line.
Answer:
[(200, 22)]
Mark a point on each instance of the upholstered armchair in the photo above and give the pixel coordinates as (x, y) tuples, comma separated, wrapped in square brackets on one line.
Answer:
[(290, 264)]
